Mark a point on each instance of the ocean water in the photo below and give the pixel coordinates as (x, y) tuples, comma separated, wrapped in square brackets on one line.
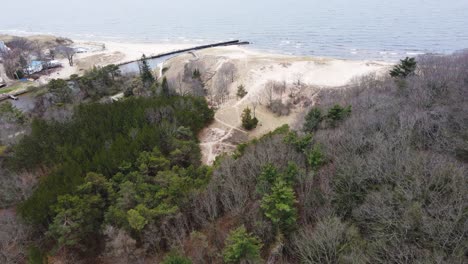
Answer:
[(371, 29)]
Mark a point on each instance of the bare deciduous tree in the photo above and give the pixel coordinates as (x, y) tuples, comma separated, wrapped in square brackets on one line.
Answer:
[(221, 87), (280, 88), (298, 78), (229, 71), (269, 92), (68, 52), (255, 102)]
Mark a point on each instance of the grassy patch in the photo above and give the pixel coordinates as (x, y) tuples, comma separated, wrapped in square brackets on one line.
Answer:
[(15, 87)]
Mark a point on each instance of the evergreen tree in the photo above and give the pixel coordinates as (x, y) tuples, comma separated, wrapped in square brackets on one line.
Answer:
[(196, 74), (145, 72), (312, 120), (406, 68), (279, 206), (136, 220), (242, 247), (59, 88), (76, 219), (248, 122), (79, 216), (241, 92), (338, 113), (165, 87), (267, 178)]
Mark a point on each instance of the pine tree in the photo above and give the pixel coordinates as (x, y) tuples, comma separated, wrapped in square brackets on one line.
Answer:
[(248, 122), (338, 113), (145, 72), (241, 92), (165, 87), (312, 120), (279, 206), (406, 68), (242, 247)]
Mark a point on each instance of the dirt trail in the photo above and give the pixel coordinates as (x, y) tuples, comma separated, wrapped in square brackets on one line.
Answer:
[(213, 141)]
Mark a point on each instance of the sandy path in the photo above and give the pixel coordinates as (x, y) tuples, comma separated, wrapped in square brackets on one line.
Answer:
[(217, 138)]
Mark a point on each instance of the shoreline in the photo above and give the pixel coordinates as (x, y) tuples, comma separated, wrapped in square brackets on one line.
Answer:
[(102, 53), (182, 41), (120, 53)]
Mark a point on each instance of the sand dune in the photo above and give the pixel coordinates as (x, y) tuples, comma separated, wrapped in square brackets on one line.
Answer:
[(254, 69)]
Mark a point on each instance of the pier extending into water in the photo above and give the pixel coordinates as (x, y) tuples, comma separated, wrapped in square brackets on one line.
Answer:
[(220, 44)]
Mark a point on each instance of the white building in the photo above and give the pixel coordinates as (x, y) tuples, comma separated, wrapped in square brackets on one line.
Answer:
[(34, 67), (3, 47)]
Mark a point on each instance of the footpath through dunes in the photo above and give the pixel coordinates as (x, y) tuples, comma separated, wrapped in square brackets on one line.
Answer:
[(224, 69)]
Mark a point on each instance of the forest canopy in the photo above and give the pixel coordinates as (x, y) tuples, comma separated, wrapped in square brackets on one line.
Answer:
[(104, 139), (373, 173)]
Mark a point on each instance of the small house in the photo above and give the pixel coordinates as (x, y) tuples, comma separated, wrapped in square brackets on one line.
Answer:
[(34, 67)]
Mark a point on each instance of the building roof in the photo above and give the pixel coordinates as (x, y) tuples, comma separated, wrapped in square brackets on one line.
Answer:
[(35, 63)]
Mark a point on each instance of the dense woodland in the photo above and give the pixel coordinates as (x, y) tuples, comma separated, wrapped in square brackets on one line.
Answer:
[(374, 173)]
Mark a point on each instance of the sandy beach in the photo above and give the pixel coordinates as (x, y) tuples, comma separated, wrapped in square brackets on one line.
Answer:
[(313, 70), (105, 53)]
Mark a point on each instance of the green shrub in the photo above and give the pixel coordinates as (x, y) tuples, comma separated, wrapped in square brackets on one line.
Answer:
[(35, 255), (315, 157), (338, 113), (196, 74), (312, 120), (300, 143), (248, 122), (9, 113), (176, 258), (242, 247)]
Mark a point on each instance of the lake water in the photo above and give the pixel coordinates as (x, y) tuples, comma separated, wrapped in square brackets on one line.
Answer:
[(338, 28)]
